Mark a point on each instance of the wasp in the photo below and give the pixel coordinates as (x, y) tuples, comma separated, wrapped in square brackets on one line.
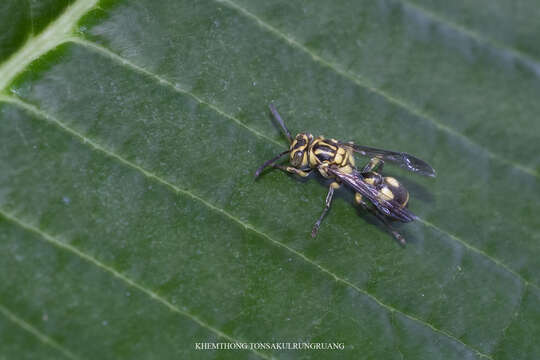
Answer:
[(386, 197)]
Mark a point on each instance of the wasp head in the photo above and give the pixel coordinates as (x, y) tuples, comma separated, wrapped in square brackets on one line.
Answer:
[(299, 150)]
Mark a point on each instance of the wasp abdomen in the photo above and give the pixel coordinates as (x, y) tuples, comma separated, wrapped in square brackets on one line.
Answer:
[(388, 187), (392, 189)]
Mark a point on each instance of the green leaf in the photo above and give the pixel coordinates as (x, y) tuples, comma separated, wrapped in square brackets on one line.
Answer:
[(130, 223)]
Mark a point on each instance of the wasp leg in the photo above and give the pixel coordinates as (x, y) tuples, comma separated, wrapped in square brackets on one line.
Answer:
[(396, 235), (292, 170), (375, 164), (358, 199), (333, 186)]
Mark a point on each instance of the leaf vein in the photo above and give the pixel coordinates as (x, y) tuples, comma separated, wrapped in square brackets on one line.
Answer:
[(160, 80), (480, 252), (153, 295), (36, 332), (500, 47)]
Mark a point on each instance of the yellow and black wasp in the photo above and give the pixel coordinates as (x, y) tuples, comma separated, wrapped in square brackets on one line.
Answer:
[(335, 160)]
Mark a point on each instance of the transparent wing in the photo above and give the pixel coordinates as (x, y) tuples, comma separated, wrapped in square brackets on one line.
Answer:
[(404, 160), (356, 181)]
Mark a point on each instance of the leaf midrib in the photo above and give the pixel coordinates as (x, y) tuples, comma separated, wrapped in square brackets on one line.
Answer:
[(53, 35)]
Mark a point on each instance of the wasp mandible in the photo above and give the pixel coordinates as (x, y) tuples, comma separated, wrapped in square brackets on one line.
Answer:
[(334, 159)]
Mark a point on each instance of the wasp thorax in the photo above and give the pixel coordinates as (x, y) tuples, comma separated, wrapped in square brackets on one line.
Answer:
[(299, 148)]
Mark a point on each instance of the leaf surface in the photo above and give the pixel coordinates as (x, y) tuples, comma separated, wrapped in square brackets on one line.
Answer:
[(132, 226)]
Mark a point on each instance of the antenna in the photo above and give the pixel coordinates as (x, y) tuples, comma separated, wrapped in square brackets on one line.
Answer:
[(280, 121), (269, 162)]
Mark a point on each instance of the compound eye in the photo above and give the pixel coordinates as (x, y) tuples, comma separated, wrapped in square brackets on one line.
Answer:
[(298, 157)]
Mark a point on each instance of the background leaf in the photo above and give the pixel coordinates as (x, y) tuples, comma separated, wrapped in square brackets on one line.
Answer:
[(131, 226)]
